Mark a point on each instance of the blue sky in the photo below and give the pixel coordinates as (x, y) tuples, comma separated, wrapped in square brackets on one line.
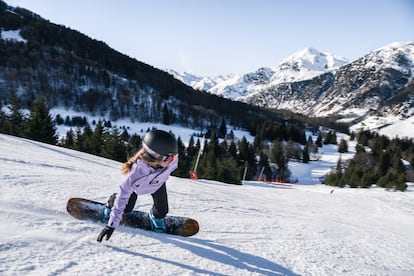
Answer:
[(213, 37)]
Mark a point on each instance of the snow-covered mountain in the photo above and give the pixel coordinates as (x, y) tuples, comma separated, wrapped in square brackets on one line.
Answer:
[(377, 85), (268, 230), (356, 88), (198, 82), (302, 65), (305, 65)]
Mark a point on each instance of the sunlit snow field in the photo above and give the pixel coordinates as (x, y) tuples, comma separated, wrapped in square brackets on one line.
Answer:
[(253, 229)]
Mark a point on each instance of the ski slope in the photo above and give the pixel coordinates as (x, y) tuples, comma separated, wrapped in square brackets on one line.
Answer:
[(253, 229)]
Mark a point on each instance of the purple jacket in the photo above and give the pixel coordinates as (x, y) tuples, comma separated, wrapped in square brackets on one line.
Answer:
[(142, 179)]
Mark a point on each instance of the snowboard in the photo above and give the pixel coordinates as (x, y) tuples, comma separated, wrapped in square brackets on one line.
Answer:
[(85, 209)]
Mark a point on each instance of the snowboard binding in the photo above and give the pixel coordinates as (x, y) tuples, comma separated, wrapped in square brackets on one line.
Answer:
[(157, 225)]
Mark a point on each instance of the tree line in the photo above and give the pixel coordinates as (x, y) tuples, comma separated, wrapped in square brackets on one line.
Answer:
[(225, 161), (74, 71), (378, 160)]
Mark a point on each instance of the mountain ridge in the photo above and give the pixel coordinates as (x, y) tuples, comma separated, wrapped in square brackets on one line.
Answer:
[(299, 66), (76, 72), (352, 91)]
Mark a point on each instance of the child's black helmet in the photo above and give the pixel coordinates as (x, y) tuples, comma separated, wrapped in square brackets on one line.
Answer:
[(161, 142)]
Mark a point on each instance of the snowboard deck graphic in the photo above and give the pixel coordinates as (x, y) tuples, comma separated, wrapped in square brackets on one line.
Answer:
[(85, 209)]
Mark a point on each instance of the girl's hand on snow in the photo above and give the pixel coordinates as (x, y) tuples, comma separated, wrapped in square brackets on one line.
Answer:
[(107, 231)]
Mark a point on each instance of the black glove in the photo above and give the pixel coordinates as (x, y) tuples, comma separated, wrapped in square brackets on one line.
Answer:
[(107, 231)]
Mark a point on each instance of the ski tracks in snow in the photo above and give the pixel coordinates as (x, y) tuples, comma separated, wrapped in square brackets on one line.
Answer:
[(253, 229)]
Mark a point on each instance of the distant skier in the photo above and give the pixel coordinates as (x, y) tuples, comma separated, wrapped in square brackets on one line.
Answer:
[(146, 173)]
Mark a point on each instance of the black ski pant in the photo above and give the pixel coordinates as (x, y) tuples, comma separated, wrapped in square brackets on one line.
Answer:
[(160, 207)]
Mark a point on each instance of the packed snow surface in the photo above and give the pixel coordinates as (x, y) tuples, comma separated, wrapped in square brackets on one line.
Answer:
[(252, 229)]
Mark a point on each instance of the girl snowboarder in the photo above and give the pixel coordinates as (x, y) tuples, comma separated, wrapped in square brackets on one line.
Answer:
[(146, 173)]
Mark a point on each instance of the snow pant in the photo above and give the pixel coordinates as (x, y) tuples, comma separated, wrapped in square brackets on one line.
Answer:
[(160, 207)]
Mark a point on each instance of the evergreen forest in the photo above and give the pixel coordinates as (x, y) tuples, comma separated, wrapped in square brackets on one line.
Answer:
[(225, 158)]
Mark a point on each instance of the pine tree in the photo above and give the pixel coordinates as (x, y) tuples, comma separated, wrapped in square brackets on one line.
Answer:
[(69, 141), (78, 139), (305, 154), (214, 145), (277, 156), (354, 178), (113, 147), (400, 184), (397, 164), (330, 138), (336, 179), (264, 167), (192, 151), (359, 148), (166, 116), (16, 119), (228, 171), (40, 126), (134, 144), (223, 129), (366, 180), (208, 166), (319, 140), (233, 150), (243, 149), (378, 147), (183, 162), (97, 138), (392, 181), (384, 163), (125, 135), (68, 121), (59, 120), (363, 138), (339, 169), (86, 140), (343, 146), (247, 157), (296, 134)]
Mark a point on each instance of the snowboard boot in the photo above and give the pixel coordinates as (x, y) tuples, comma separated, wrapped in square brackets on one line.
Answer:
[(157, 225), (108, 207)]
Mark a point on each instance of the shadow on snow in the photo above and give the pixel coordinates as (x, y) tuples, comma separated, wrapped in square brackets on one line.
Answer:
[(217, 253)]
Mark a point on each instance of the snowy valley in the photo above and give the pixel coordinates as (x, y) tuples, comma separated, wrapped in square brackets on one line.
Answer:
[(371, 92)]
